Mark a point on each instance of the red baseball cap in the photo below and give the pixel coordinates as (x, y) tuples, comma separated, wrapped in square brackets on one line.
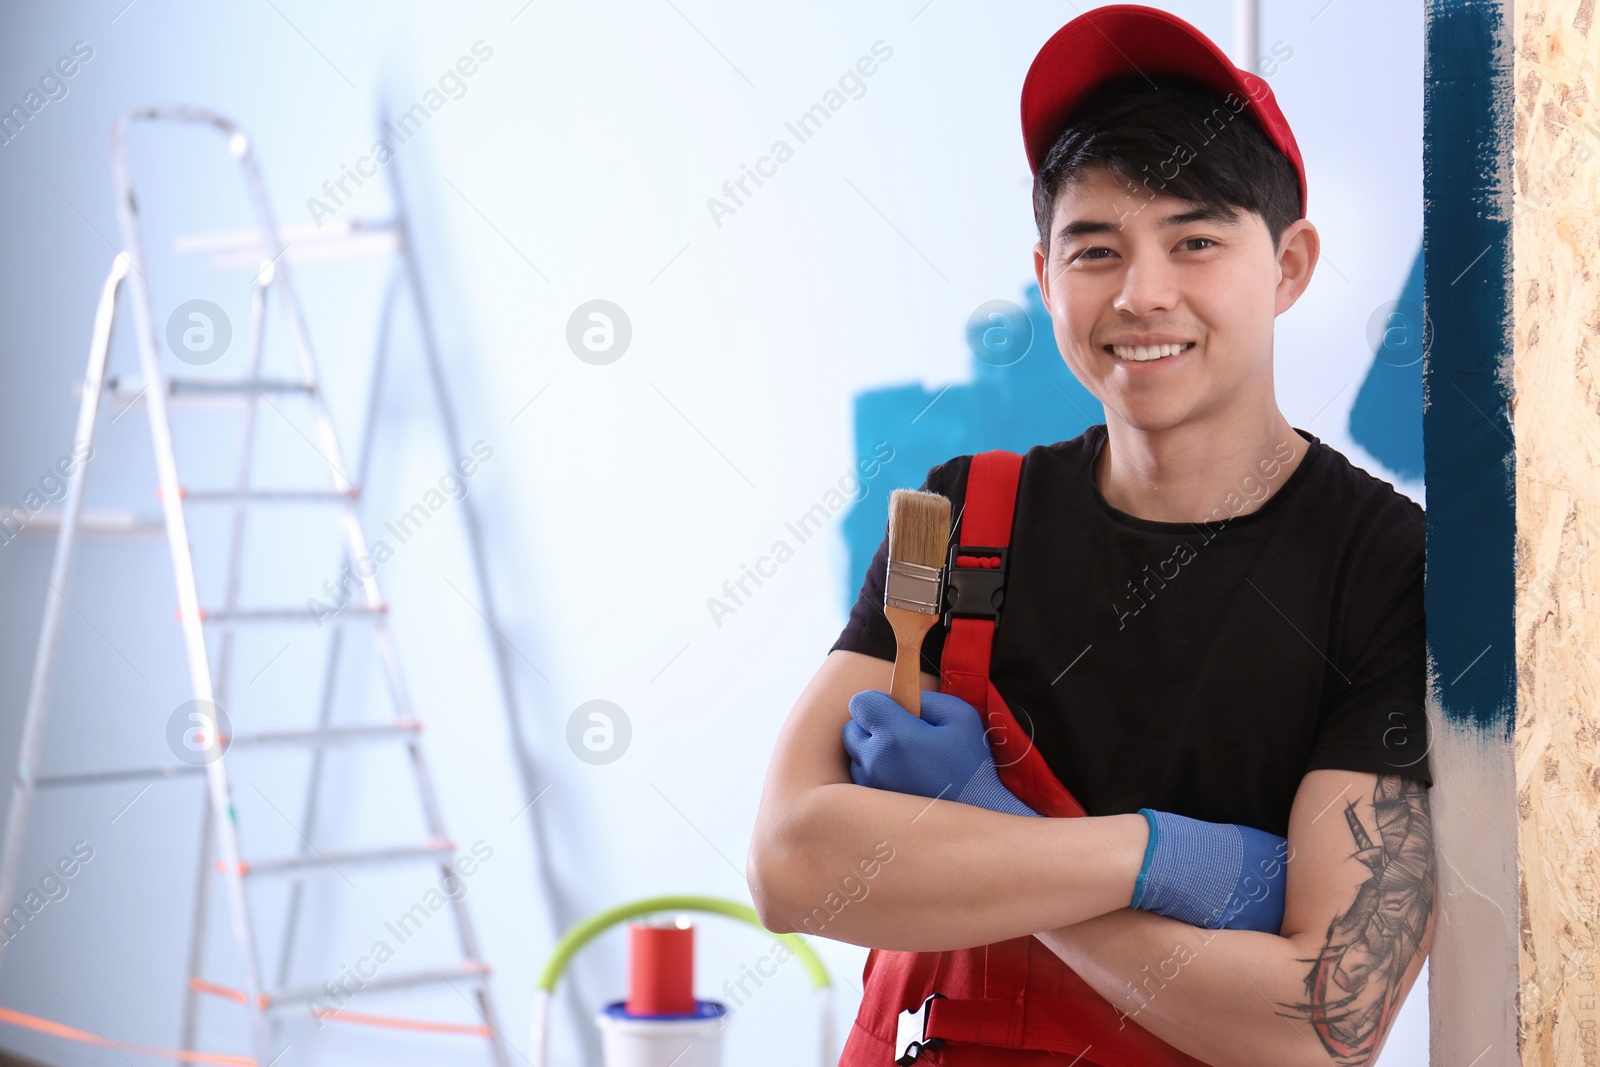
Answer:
[(1133, 39)]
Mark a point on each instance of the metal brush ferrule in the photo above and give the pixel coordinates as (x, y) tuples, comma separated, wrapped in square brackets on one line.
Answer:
[(915, 587)]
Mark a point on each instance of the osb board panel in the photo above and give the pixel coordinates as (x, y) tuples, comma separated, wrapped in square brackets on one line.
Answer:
[(1556, 422)]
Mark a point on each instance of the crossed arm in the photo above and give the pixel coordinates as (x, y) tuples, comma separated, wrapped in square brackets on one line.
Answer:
[(1358, 922), (893, 871), (896, 871)]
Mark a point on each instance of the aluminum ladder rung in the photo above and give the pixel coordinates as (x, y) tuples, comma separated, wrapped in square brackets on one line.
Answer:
[(237, 616), (270, 496), (297, 996), (198, 390), (246, 250), (329, 736), (131, 774), (101, 522), (249, 240), (351, 857), (201, 386)]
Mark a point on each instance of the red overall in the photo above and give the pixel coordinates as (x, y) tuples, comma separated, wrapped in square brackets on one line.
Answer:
[(1013, 1003)]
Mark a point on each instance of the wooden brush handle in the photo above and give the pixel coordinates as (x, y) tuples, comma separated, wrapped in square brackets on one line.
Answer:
[(910, 627)]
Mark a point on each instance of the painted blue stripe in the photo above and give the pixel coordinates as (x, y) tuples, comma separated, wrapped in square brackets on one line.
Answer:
[(1386, 418), (1467, 444)]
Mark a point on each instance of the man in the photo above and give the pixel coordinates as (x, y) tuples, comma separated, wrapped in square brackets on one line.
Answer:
[(1212, 624)]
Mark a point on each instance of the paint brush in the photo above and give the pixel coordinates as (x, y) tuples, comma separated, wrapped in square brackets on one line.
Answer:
[(913, 590)]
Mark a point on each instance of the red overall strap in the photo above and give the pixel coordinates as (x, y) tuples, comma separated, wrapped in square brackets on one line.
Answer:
[(997, 1018), (985, 520)]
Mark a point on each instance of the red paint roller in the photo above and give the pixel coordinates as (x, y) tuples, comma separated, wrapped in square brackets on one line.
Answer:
[(661, 968)]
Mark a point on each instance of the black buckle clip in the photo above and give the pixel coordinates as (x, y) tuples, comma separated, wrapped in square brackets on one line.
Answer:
[(974, 591)]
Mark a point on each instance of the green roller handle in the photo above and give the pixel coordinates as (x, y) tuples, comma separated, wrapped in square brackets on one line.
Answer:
[(596, 924)]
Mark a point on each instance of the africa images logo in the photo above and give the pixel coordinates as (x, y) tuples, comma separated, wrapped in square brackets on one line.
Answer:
[(198, 732)]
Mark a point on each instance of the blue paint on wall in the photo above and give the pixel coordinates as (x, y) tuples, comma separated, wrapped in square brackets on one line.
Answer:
[(1011, 403), (1466, 426), (1386, 418)]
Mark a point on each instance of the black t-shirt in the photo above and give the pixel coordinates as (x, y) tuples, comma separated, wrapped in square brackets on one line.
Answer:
[(1201, 668)]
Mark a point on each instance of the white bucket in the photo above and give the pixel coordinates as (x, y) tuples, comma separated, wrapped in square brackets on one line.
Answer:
[(645, 1041)]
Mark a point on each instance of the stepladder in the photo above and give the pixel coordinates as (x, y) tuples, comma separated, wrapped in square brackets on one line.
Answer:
[(214, 616)]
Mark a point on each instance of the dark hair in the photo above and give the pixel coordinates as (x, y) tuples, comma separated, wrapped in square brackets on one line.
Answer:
[(1139, 130)]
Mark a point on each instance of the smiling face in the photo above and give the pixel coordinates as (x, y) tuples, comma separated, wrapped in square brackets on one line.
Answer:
[(1164, 309)]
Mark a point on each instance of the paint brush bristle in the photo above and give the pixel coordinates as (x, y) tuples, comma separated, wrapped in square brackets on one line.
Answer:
[(919, 527)]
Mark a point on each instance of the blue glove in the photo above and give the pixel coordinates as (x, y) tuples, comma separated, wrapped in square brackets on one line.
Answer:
[(945, 753), (1215, 875)]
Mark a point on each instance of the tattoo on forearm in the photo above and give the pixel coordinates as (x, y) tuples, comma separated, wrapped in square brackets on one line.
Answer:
[(1353, 987)]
